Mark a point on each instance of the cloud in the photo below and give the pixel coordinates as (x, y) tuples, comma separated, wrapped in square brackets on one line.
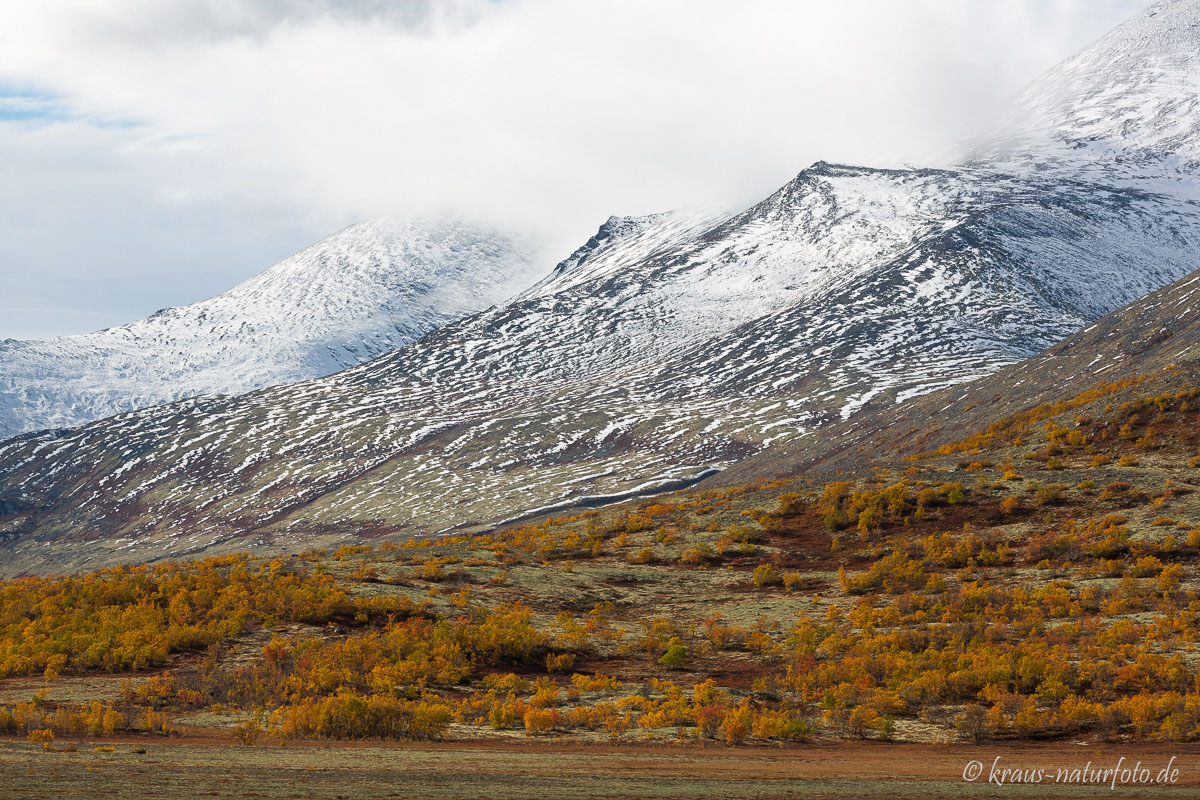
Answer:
[(226, 132), (100, 225)]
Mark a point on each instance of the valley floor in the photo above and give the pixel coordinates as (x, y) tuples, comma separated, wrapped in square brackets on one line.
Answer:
[(185, 769)]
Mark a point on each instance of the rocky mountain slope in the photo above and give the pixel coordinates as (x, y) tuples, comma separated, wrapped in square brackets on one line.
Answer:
[(1150, 346), (664, 349), (356, 295)]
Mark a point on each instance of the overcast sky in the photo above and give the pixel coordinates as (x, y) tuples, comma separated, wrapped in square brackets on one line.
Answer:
[(155, 153)]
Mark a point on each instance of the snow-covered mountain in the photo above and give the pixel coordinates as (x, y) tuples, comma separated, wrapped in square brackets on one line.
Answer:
[(351, 297), (1130, 101), (664, 348)]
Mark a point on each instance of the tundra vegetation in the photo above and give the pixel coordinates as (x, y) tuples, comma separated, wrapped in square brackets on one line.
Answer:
[(1036, 579)]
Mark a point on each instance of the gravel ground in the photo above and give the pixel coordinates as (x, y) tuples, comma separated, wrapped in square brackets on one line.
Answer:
[(180, 770)]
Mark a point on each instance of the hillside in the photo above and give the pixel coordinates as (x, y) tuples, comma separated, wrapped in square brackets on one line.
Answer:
[(1157, 336), (351, 297), (846, 285), (1035, 579)]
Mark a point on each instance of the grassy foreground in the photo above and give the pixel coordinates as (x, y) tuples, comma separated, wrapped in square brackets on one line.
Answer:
[(498, 771)]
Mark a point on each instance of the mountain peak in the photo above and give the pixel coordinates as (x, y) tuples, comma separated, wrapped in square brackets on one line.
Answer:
[(355, 295), (622, 241), (1131, 97)]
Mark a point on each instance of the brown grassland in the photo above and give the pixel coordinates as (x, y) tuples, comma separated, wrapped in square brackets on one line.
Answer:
[(1030, 590)]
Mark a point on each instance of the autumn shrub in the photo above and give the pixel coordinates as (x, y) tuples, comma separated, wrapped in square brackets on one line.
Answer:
[(971, 724), (1076, 713), (861, 721), (539, 722), (895, 573), (407, 654), (723, 636), (793, 581), (765, 575), (348, 715), (870, 520), (41, 736), (780, 725), (504, 715), (157, 722), (595, 683), (644, 556), (1170, 578), (90, 719), (1147, 566), (698, 554), (676, 655), (790, 504), (431, 571), (560, 662), (1050, 494), (709, 719), (736, 725), (347, 550), (836, 519), (131, 618)]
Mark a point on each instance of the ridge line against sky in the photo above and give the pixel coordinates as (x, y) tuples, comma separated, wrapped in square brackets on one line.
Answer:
[(156, 154)]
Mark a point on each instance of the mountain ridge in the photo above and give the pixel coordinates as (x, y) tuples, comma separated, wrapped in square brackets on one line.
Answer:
[(637, 379)]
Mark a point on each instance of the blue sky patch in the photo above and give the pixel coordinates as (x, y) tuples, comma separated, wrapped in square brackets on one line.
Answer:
[(27, 105), (23, 105)]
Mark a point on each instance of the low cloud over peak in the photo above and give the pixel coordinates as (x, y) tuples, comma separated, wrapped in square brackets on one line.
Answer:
[(158, 153)]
